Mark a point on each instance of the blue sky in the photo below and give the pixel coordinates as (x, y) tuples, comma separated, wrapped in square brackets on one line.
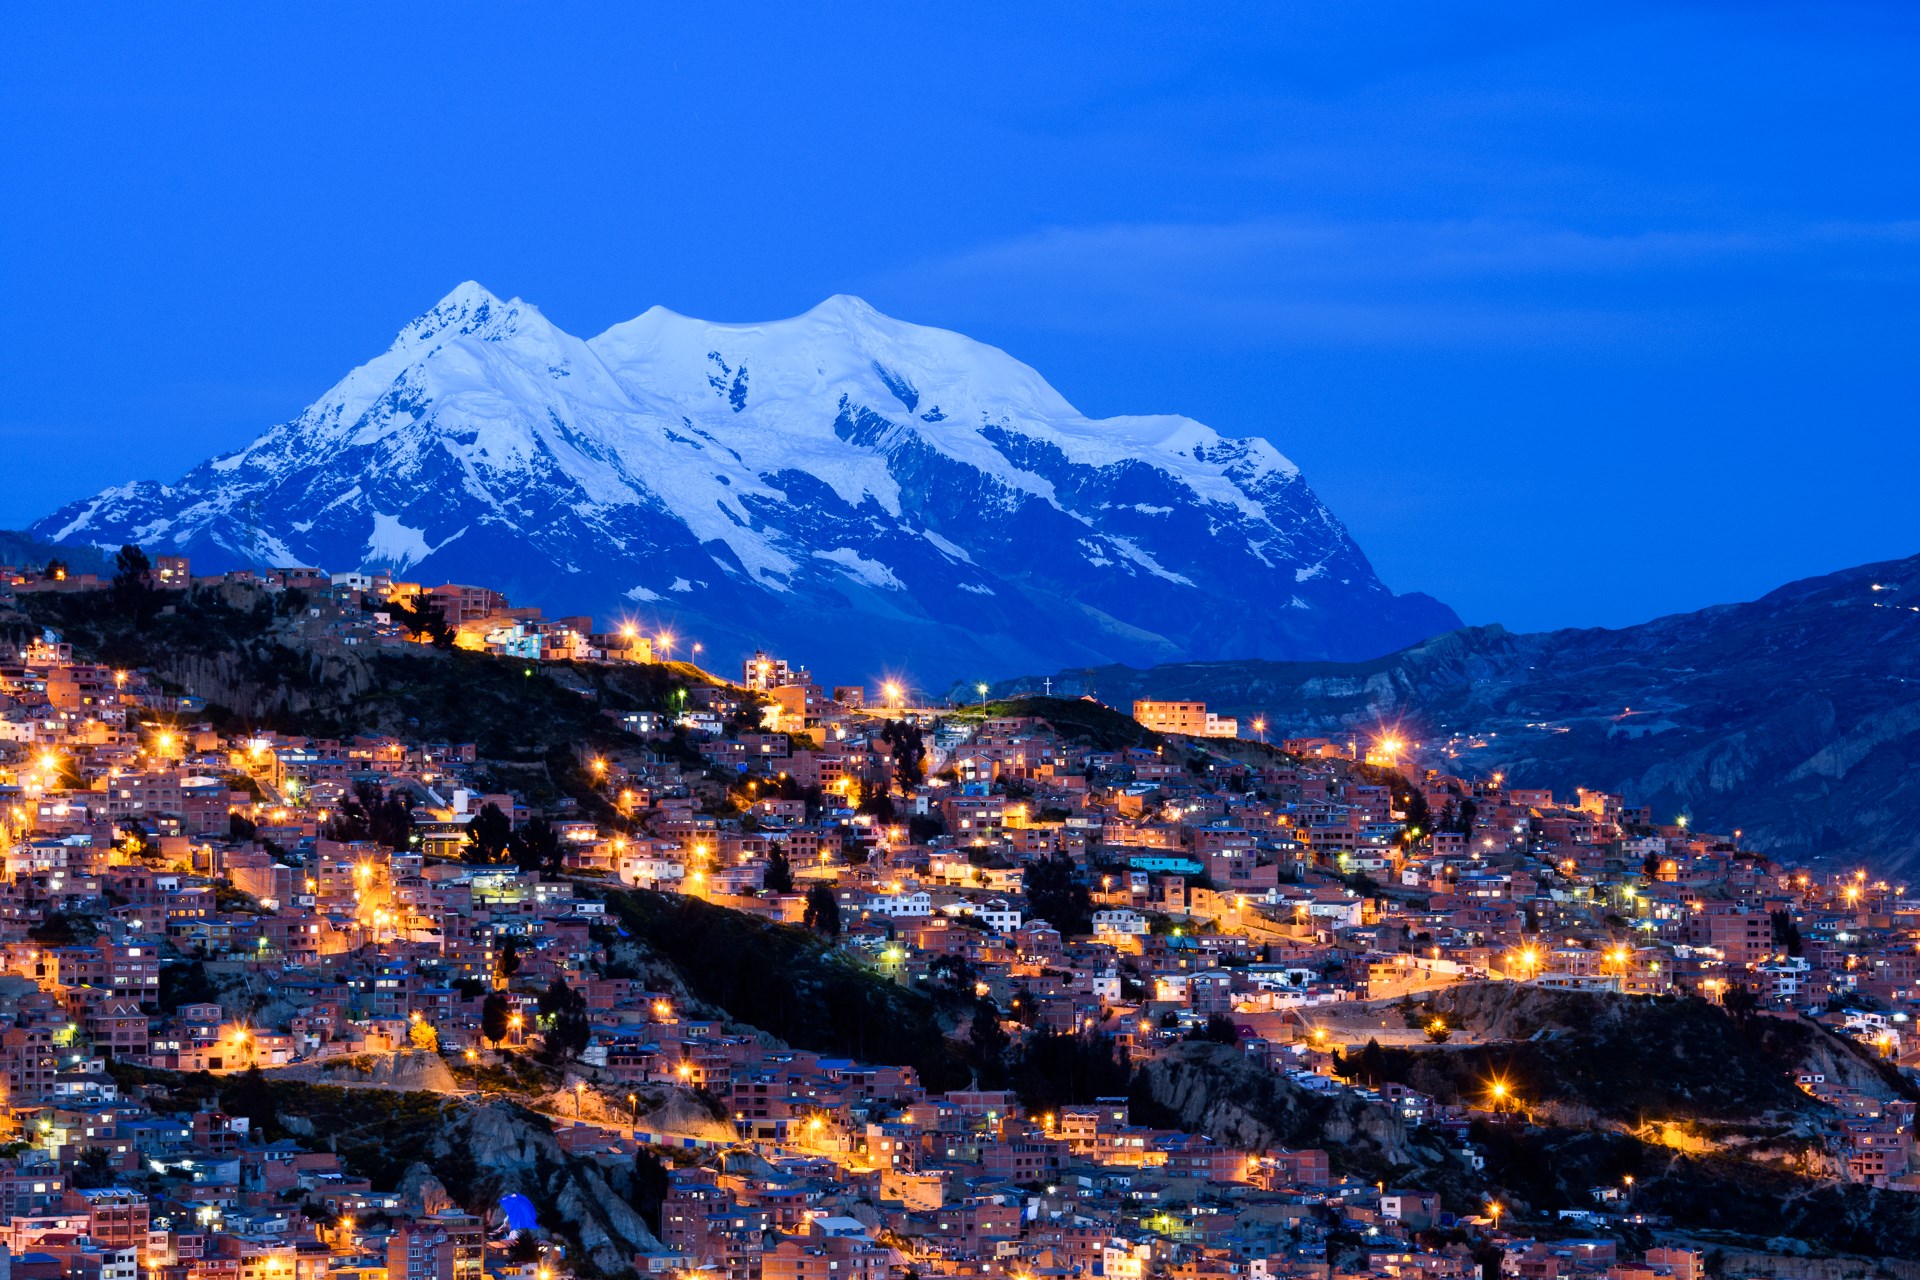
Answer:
[(1576, 313)]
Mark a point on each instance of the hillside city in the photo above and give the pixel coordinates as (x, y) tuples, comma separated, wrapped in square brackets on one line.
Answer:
[(1100, 906)]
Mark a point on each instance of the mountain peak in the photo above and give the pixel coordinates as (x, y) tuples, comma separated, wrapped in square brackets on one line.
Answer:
[(846, 306), (467, 295), (922, 497), (468, 308)]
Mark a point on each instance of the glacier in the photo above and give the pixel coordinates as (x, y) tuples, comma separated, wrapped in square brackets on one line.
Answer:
[(860, 492)]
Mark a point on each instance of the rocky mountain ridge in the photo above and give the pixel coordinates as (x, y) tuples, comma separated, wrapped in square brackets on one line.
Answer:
[(1794, 718)]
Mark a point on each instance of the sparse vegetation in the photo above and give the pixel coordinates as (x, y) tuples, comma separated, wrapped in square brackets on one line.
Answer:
[(793, 984)]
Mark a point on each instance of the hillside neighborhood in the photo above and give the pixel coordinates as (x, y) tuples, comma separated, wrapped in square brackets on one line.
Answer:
[(1092, 909)]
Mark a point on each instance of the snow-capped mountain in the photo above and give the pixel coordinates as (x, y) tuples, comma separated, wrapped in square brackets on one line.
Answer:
[(858, 492)]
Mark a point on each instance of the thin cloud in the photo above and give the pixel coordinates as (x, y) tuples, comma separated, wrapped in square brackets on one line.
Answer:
[(1399, 283)]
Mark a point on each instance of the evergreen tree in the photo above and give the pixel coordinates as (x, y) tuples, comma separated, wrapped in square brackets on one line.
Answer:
[(1061, 1070), (495, 1012), (94, 1168), (909, 752), (132, 589), (1786, 932), (537, 847), (1419, 813), (1055, 894), (1368, 1066), (506, 961), (1220, 1030), (650, 1187), (390, 821), (1740, 1002), (568, 1027), (488, 835), (822, 911), (779, 877), (952, 971), (987, 1040), (425, 620), (249, 1095)]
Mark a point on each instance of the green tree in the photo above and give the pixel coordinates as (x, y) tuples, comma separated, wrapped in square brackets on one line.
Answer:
[(650, 1186), (1060, 1070), (538, 847), (1220, 1029), (1786, 932), (488, 835), (1055, 894), (495, 1011), (779, 877), (822, 910), (987, 1040), (1368, 1067), (909, 752), (568, 1027), (249, 1095), (185, 984), (506, 960), (1419, 813), (425, 620), (94, 1168), (132, 587), (370, 813), (952, 971)]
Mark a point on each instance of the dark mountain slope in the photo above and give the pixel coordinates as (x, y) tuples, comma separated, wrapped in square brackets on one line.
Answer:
[(1795, 717)]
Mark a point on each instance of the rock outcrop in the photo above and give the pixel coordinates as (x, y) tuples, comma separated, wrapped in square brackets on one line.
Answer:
[(501, 1148), (1217, 1090), (407, 1070)]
